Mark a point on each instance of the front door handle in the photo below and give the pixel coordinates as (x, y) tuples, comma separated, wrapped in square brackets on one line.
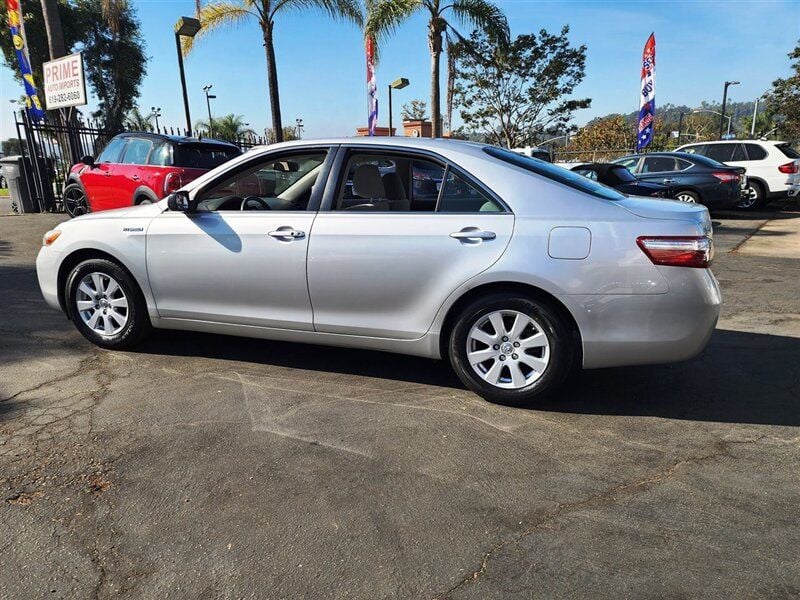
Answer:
[(135, 177), (287, 232), (667, 180), (473, 234)]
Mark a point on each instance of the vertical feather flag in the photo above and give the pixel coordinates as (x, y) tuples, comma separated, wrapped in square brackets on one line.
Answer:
[(647, 99), (372, 87), (32, 103)]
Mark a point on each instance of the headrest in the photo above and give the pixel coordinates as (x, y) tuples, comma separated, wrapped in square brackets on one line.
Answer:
[(393, 185), (367, 182)]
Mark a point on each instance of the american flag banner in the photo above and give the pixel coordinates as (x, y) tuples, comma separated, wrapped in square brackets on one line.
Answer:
[(372, 88), (647, 99)]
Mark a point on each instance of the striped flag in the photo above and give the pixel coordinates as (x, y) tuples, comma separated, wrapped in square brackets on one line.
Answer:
[(647, 99), (372, 88), (15, 24)]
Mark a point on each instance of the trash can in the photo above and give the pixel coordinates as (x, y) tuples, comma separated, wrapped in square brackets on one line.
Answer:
[(19, 188)]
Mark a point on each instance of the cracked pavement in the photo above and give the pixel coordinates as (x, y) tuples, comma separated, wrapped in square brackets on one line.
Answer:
[(215, 467)]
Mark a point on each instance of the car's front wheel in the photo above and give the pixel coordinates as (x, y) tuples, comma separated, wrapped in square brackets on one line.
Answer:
[(105, 304), (511, 349)]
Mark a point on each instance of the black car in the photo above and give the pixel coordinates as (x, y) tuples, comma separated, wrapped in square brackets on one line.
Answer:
[(619, 178), (693, 178)]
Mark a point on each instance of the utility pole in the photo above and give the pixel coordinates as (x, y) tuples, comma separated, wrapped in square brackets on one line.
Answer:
[(209, 97), (724, 102)]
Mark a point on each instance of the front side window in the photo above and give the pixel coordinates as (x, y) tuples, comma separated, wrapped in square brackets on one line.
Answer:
[(112, 151), (137, 152), (628, 163), (284, 183)]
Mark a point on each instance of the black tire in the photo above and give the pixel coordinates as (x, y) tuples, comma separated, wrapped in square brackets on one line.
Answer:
[(137, 325), (75, 201), (695, 197), (757, 197), (563, 349), (143, 200)]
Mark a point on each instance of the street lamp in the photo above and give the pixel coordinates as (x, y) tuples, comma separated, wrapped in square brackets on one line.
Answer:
[(156, 111), (715, 112), (397, 84), (186, 26), (299, 128), (209, 97), (724, 102)]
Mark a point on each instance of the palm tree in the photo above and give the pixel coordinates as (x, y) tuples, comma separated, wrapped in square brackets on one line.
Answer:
[(230, 127), (384, 16), (137, 121), (220, 13)]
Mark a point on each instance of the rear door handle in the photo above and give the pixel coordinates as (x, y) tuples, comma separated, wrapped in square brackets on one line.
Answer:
[(473, 234), (287, 232)]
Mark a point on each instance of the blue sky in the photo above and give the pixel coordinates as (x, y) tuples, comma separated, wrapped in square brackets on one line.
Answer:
[(321, 68)]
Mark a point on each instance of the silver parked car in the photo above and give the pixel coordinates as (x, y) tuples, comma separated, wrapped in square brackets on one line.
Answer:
[(514, 269)]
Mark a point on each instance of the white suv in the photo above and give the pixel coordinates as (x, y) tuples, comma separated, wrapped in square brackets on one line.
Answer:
[(769, 165)]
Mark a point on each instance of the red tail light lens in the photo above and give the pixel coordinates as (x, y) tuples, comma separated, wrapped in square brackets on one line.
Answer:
[(789, 168), (696, 252), (726, 177), (172, 183)]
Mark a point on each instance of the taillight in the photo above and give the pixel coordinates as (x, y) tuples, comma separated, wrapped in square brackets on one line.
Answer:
[(726, 177), (789, 168), (172, 183), (671, 251)]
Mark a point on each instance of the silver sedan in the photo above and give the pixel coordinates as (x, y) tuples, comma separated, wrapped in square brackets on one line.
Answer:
[(515, 270)]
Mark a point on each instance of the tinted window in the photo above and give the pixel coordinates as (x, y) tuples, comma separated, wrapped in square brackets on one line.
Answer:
[(659, 164), (701, 150), (704, 161), (554, 173), (755, 152), (725, 152), (620, 175), (162, 155), (682, 165), (788, 150), (628, 163), (137, 151), (460, 196), (202, 156), (589, 174), (112, 151)]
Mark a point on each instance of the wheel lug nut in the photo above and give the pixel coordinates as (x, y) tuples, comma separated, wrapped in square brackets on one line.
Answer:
[(505, 338), (516, 344), (514, 356), (496, 347), (502, 357)]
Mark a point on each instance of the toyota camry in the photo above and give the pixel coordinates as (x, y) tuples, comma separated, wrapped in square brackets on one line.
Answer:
[(514, 270)]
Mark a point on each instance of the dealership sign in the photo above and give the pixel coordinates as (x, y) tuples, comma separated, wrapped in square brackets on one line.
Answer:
[(64, 82)]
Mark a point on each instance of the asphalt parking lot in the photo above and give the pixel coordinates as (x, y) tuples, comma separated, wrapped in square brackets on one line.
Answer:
[(202, 466)]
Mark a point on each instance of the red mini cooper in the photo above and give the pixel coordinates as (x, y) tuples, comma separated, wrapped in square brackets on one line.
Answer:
[(139, 168)]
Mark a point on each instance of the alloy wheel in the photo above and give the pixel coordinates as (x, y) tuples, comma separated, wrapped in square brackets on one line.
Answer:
[(75, 202), (508, 349), (102, 304), (685, 198), (750, 201)]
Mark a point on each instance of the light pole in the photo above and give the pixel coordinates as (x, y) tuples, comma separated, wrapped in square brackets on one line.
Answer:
[(156, 113), (724, 102), (397, 84), (209, 97), (299, 128), (186, 26), (680, 127)]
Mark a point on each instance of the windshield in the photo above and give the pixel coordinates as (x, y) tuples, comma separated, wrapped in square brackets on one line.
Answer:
[(788, 150), (555, 173), (203, 156)]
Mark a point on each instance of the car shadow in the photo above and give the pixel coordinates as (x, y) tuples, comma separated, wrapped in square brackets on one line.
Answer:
[(739, 378)]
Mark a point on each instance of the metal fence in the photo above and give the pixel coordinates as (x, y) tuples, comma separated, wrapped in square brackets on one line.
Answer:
[(51, 148)]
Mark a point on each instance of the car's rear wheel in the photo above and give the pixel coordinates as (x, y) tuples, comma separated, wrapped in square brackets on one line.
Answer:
[(687, 196), (756, 197), (105, 304), (511, 349), (75, 202)]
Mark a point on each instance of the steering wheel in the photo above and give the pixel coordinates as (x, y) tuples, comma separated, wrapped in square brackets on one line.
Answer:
[(254, 203)]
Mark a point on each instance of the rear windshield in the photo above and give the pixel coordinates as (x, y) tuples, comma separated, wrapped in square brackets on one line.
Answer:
[(555, 173), (788, 150), (699, 159), (202, 156)]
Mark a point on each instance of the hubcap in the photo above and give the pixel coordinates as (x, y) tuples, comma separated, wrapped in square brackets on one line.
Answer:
[(102, 304), (508, 349)]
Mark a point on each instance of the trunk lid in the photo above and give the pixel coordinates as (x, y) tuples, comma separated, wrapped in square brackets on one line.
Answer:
[(672, 210)]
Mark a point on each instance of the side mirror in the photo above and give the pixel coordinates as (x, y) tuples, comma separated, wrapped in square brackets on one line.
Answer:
[(179, 202), (88, 161)]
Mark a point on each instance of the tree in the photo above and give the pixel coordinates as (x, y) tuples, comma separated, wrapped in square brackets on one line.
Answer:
[(52, 24), (414, 111), (783, 101), (11, 147), (137, 121), (515, 92), (385, 16), (608, 133), (220, 13), (289, 134), (230, 127)]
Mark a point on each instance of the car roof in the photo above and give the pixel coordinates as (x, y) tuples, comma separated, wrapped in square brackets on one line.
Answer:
[(712, 142), (175, 139), (432, 144)]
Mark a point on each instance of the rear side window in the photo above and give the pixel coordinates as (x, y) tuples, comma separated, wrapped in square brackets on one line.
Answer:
[(460, 196), (659, 164), (137, 152), (202, 156), (788, 151), (755, 152), (554, 173), (725, 152), (162, 155), (112, 151)]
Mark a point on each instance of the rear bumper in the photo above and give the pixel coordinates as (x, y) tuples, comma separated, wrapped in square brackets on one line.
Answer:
[(649, 329)]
